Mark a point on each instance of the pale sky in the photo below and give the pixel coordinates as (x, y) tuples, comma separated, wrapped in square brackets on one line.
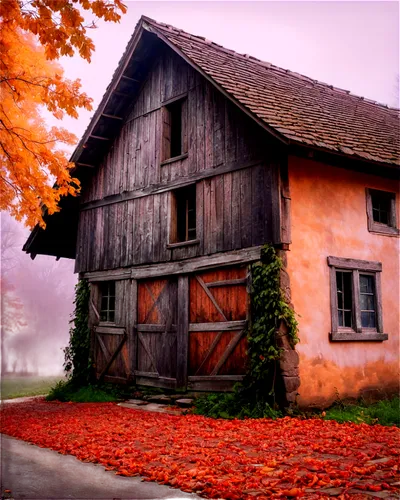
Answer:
[(352, 45)]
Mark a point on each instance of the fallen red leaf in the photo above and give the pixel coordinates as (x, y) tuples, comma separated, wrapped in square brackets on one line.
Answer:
[(230, 459)]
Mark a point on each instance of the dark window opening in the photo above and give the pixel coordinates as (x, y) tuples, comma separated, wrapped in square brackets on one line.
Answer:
[(174, 133), (107, 311), (381, 207), (367, 301), (381, 212), (175, 110), (344, 299), (185, 214)]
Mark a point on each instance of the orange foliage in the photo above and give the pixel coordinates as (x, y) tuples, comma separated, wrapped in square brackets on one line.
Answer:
[(231, 459), (32, 35)]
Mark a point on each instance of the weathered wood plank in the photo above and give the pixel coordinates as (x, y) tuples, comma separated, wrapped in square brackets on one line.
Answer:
[(362, 265), (233, 282), (143, 327), (215, 327), (229, 350), (182, 334), (163, 187), (211, 297), (173, 268)]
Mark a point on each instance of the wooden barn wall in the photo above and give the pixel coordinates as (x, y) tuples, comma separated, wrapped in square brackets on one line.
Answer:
[(234, 209)]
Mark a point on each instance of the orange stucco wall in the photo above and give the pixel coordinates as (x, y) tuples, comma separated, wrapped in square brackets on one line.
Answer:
[(329, 218)]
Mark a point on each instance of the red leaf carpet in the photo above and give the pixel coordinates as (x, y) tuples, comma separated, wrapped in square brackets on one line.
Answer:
[(230, 459)]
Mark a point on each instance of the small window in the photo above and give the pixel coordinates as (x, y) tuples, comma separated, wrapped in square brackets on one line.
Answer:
[(174, 130), (356, 299), (344, 299), (183, 215), (107, 311), (381, 212)]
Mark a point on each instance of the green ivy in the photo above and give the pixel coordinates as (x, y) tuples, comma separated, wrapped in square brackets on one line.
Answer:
[(268, 309), (255, 397), (77, 361)]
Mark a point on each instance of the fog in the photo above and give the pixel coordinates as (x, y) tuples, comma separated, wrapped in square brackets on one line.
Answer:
[(36, 305)]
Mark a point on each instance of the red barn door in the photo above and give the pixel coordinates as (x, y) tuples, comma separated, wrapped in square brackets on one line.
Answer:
[(157, 332), (218, 319)]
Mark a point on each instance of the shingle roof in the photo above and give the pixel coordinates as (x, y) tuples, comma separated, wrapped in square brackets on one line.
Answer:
[(300, 109)]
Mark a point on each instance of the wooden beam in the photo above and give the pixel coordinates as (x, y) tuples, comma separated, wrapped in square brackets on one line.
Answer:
[(112, 117), (182, 336), (110, 330), (174, 159), (211, 297), (129, 79), (228, 351), (213, 345), (174, 99), (115, 354), (361, 265), (99, 137), (85, 165), (240, 281), (171, 185), (148, 328), (226, 326), (195, 264), (148, 352)]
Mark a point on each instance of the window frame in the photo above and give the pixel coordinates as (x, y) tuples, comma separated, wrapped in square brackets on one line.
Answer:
[(107, 284), (379, 227), (174, 242), (356, 267), (166, 132)]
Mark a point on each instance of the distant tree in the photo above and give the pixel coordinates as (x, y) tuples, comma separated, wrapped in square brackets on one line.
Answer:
[(33, 34), (36, 300)]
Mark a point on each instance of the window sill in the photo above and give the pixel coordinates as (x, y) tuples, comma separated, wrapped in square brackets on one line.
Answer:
[(357, 337), (175, 158), (383, 229), (180, 244)]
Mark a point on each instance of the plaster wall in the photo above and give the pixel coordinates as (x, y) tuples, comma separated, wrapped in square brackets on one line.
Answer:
[(329, 218)]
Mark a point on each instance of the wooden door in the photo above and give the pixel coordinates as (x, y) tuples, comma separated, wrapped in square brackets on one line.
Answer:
[(157, 333), (218, 319), (111, 354)]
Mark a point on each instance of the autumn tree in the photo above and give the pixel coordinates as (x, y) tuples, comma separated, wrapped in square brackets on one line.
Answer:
[(34, 168)]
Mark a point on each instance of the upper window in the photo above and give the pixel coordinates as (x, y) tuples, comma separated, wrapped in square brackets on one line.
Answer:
[(174, 130), (107, 311), (183, 215), (356, 308), (381, 212)]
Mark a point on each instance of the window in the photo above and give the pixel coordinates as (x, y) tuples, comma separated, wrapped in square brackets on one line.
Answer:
[(381, 212), (356, 309), (183, 215), (107, 311), (174, 134)]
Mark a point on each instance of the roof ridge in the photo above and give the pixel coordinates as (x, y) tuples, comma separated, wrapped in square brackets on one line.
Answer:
[(221, 48)]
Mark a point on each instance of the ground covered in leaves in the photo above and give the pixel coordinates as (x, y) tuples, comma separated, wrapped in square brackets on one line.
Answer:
[(229, 459)]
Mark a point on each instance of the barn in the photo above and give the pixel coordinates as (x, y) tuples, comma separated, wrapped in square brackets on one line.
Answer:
[(195, 158)]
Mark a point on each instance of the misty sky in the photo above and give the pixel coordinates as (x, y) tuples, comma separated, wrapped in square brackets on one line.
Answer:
[(352, 45)]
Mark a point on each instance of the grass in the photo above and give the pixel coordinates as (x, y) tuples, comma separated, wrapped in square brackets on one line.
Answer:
[(17, 387), (96, 393), (385, 412)]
